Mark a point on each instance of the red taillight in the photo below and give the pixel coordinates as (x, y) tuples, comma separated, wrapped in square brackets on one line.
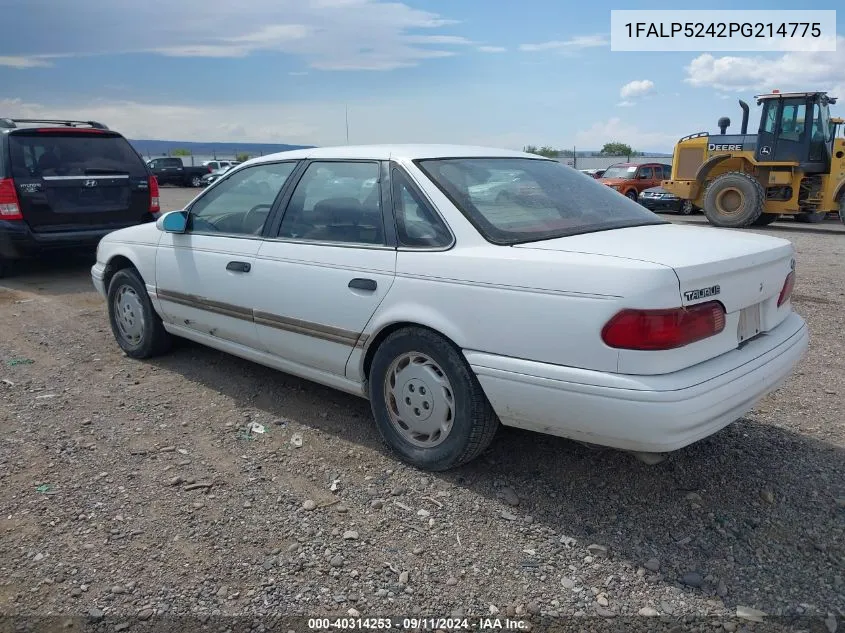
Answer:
[(155, 205), (664, 329), (69, 130), (10, 208), (786, 291)]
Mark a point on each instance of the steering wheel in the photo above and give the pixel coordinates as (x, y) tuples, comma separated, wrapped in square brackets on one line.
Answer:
[(245, 223)]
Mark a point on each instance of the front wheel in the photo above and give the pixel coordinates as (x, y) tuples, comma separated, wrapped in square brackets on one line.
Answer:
[(196, 181), (428, 405), (686, 208), (734, 200), (134, 323)]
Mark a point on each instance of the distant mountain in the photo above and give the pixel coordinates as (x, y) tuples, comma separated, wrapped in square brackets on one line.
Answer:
[(149, 147)]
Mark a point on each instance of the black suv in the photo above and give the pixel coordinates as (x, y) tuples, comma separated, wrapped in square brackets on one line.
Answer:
[(66, 184)]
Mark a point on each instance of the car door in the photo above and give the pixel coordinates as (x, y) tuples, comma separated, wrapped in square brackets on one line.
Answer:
[(645, 178), (331, 263), (204, 277)]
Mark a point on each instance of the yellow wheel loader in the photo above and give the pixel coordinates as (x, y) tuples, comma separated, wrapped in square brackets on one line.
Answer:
[(793, 165)]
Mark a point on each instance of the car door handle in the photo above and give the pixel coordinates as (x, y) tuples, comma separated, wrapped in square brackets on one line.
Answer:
[(239, 267), (363, 284)]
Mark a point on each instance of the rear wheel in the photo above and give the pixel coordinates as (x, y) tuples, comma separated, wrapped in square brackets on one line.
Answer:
[(196, 181), (428, 405), (686, 208), (135, 324), (811, 218), (734, 200)]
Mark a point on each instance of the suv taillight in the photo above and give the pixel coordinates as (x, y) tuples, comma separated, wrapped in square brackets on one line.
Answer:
[(10, 208), (786, 291), (664, 329), (155, 205)]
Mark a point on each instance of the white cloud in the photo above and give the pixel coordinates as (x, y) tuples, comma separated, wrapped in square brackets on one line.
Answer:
[(573, 44), (815, 70), (328, 34), (617, 130), (491, 49), (637, 88), (625, 104), (21, 61)]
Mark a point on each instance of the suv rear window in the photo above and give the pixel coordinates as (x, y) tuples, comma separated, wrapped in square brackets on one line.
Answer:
[(39, 154), (516, 200)]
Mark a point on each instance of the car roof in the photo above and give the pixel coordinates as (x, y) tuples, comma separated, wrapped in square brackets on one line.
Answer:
[(396, 152)]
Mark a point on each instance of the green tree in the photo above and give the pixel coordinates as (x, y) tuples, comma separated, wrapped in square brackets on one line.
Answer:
[(616, 148), (548, 152), (180, 152), (242, 157)]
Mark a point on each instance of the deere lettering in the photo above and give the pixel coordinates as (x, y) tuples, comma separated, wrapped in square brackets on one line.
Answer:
[(712, 147)]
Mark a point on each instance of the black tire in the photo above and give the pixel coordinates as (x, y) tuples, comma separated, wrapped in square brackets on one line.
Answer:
[(686, 208), (734, 200), (632, 195), (842, 209), (196, 181), (154, 339), (765, 219), (474, 423), (810, 218)]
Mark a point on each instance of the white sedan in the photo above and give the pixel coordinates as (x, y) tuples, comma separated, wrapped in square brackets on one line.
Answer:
[(568, 310)]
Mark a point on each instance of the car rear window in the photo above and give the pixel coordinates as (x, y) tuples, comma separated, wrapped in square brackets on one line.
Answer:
[(516, 200), (39, 154)]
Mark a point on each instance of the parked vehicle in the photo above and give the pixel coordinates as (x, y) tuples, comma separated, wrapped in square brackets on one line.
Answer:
[(594, 173), (630, 179), (589, 317), (214, 165), (658, 199), (217, 173), (172, 171), (65, 184)]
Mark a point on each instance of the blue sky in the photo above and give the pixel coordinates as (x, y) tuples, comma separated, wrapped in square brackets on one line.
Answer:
[(468, 71)]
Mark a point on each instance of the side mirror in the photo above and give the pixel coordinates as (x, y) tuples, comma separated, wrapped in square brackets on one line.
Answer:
[(173, 222)]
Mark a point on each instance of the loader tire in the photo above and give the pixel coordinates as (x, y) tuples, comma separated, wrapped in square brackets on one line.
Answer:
[(734, 200), (842, 209)]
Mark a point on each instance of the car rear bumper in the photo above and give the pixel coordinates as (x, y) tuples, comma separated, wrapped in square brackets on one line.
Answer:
[(641, 413), (18, 240)]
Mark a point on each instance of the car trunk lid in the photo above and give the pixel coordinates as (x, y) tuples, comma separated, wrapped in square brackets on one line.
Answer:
[(742, 270), (78, 179)]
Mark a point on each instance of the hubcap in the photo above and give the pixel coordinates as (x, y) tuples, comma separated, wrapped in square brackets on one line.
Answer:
[(729, 201), (420, 400), (686, 209), (129, 314)]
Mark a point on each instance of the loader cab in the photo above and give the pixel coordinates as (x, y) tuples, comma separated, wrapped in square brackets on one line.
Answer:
[(796, 128)]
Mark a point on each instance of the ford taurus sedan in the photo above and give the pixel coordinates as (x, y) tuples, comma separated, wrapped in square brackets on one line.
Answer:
[(571, 311)]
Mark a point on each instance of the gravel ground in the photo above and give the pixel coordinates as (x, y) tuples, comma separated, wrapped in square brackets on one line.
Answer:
[(133, 490)]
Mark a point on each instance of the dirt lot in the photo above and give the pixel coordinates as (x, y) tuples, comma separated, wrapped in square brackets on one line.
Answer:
[(101, 460)]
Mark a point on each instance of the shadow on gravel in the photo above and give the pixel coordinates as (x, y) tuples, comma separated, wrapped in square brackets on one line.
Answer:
[(54, 274), (749, 515)]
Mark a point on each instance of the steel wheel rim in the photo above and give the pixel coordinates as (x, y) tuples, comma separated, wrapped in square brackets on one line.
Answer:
[(419, 399), (129, 314), (730, 201)]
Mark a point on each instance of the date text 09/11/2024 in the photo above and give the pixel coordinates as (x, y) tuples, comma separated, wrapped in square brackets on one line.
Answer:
[(418, 624), (723, 29)]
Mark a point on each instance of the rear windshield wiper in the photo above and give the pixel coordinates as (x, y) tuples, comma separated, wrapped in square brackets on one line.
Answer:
[(97, 170)]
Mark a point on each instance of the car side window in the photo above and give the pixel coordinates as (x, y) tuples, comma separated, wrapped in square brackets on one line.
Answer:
[(417, 224), (646, 173), (336, 202), (240, 204)]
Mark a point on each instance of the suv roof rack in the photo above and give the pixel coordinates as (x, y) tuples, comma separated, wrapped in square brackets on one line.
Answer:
[(13, 123)]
